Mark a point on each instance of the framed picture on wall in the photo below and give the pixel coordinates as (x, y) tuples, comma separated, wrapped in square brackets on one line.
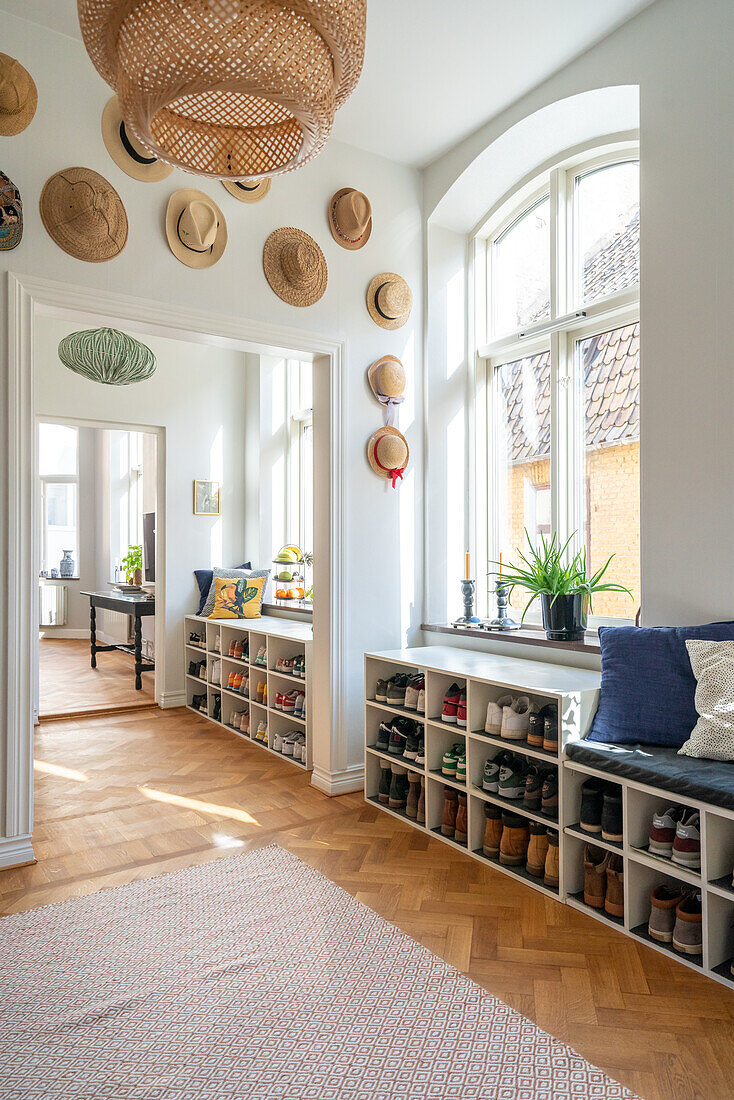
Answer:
[(207, 498)]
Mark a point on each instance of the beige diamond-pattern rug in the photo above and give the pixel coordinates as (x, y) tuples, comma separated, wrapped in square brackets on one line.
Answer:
[(255, 977)]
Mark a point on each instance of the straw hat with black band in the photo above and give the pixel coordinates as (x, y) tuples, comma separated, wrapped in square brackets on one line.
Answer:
[(294, 266), (11, 214), (386, 377), (126, 151), (84, 215), (350, 218), (388, 453), (389, 300), (195, 228), (18, 97), (247, 190)]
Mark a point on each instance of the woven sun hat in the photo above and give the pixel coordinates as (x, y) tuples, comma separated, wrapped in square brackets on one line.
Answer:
[(247, 190), (83, 213), (389, 300), (388, 453), (386, 377), (18, 97), (195, 227), (126, 150), (11, 214), (350, 218), (295, 267)]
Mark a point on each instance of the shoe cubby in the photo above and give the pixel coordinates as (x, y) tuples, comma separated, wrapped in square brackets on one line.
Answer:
[(570, 802), (435, 800), (481, 695), (718, 852), (373, 774), (232, 705), (641, 879), (640, 807), (373, 719), (573, 879), (438, 741), (478, 754), (437, 684), (378, 669), (719, 917)]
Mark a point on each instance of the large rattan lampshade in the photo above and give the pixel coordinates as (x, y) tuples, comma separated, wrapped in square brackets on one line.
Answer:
[(107, 355), (234, 89)]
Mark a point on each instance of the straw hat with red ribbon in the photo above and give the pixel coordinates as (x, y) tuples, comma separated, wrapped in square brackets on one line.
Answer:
[(388, 453)]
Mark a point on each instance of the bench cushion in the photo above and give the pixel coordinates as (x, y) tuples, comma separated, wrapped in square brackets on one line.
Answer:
[(709, 781)]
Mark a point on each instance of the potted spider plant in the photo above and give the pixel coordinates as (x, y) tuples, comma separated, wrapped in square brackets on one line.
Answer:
[(563, 584)]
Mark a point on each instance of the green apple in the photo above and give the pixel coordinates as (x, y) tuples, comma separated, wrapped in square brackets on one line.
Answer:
[(285, 576)]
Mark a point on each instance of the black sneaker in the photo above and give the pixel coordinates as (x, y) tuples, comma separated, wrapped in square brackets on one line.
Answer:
[(194, 669), (383, 793), (398, 797), (420, 758), (383, 736), (401, 729), (549, 793), (536, 728), (611, 814), (533, 788), (413, 742), (396, 689), (217, 712), (592, 801)]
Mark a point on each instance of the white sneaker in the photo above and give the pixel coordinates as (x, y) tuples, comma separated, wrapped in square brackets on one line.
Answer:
[(289, 742), (262, 732), (278, 742), (493, 724), (299, 749), (217, 644), (516, 720), (217, 672)]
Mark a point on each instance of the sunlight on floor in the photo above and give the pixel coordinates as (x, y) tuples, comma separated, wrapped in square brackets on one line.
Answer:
[(58, 770), (195, 804)]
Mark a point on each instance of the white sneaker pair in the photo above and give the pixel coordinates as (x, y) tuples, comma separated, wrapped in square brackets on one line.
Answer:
[(509, 718), (216, 672)]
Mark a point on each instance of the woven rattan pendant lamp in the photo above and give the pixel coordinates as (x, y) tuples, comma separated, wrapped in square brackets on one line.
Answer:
[(234, 89)]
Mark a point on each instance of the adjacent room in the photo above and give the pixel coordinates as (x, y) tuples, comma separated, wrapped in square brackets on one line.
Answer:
[(366, 625)]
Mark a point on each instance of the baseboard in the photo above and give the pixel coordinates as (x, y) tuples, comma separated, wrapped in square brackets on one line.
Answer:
[(51, 633), (172, 699), (15, 852), (334, 783)]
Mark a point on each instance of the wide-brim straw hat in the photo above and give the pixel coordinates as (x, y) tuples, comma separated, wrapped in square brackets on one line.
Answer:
[(84, 215), (295, 266), (18, 96), (350, 218), (126, 150), (389, 300), (388, 453), (247, 190), (194, 218), (386, 377), (11, 214)]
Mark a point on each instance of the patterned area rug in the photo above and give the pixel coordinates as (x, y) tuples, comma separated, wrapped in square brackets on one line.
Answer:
[(255, 977)]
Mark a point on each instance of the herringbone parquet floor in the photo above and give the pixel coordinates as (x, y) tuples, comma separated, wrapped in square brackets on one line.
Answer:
[(69, 685), (143, 793)]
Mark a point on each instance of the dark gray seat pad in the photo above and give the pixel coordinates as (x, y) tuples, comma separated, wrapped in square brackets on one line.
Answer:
[(705, 780)]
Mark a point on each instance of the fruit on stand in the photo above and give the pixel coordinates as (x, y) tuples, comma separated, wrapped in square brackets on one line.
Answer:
[(285, 576)]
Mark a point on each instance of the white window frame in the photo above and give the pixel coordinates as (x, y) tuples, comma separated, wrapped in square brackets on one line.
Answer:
[(59, 479), (569, 322)]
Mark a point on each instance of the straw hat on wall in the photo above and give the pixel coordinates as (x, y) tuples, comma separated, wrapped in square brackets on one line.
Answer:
[(126, 151), (350, 218), (388, 453), (389, 300), (195, 228), (18, 97), (247, 190), (295, 267), (84, 215)]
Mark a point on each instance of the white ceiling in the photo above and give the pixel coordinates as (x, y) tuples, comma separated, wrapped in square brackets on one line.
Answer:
[(435, 70)]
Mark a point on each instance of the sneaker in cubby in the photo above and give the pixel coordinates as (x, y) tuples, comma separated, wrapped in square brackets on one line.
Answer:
[(412, 688), (278, 742), (461, 768), (245, 722), (202, 670), (218, 644), (299, 748), (450, 708), (217, 672), (289, 702), (235, 681), (300, 709), (261, 658), (278, 701), (289, 742), (245, 686), (420, 759), (236, 649), (217, 711), (262, 732), (195, 639), (198, 702), (384, 733), (230, 681)]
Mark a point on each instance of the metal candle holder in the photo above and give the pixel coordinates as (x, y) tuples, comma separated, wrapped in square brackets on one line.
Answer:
[(467, 592), (503, 621)]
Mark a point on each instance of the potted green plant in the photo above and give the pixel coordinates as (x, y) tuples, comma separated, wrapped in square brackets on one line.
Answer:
[(563, 584), (132, 563)]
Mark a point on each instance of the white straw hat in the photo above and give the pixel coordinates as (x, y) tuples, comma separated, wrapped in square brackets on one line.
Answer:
[(389, 300), (126, 151), (247, 190), (195, 228)]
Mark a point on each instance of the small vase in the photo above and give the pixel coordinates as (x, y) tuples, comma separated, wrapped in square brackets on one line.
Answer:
[(564, 618), (138, 577), (66, 565)]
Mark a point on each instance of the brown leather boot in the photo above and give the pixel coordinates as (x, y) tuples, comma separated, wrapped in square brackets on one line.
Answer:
[(537, 849), (460, 830), (596, 861), (421, 809), (411, 806), (450, 806), (551, 874), (614, 898), (515, 838), (492, 830)]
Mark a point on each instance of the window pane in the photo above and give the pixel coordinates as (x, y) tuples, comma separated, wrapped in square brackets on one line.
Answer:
[(610, 372), (60, 520), (57, 447), (521, 271), (522, 435), (608, 229)]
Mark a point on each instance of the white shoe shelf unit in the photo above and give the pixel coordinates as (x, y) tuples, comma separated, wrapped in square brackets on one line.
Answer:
[(575, 691), (281, 639)]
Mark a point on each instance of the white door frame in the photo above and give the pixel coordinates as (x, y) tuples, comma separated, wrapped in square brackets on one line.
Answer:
[(28, 296)]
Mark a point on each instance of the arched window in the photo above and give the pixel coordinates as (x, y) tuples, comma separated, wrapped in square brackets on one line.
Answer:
[(559, 346)]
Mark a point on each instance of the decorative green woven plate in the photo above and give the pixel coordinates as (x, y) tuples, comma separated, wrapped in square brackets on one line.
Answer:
[(108, 356)]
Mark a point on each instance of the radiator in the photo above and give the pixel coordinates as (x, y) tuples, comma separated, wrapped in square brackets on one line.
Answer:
[(52, 604), (117, 627)]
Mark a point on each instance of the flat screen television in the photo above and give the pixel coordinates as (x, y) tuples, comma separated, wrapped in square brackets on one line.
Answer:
[(149, 545)]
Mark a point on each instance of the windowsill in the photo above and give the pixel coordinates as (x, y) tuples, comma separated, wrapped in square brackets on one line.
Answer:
[(76, 577), (524, 636), (297, 610)]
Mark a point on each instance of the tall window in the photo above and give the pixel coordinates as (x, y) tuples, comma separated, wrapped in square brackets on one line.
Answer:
[(562, 359), (58, 468)]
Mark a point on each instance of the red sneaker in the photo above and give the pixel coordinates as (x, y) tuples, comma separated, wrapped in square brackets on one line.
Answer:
[(451, 704), (461, 710)]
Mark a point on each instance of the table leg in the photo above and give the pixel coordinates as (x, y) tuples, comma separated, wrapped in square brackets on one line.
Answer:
[(93, 634), (138, 626)]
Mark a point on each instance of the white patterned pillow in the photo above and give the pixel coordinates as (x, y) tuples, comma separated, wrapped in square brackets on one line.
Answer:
[(230, 575), (713, 666)]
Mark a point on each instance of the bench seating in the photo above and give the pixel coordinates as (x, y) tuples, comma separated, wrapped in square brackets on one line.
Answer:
[(710, 781)]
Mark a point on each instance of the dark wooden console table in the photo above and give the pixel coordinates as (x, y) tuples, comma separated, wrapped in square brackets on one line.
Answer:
[(125, 604)]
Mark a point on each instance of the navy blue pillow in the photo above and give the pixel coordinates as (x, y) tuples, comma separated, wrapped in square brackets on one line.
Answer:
[(647, 685), (204, 579)]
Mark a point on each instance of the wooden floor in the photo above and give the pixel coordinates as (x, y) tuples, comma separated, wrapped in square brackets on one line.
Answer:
[(143, 793), (69, 685)]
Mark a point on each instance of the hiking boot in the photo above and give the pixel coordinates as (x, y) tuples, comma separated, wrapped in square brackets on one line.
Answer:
[(551, 872), (512, 778), (495, 711), (461, 710), (687, 843), (537, 850), (688, 929), (596, 861), (381, 691), (550, 732), (611, 813), (549, 793), (461, 768), (662, 831), (536, 722), (383, 793), (411, 805), (533, 788), (450, 807), (515, 839), (450, 708), (396, 690), (398, 788), (421, 809), (614, 897), (450, 759), (663, 902), (461, 827), (592, 802), (383, 736), (492, 830), (516, 720)]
